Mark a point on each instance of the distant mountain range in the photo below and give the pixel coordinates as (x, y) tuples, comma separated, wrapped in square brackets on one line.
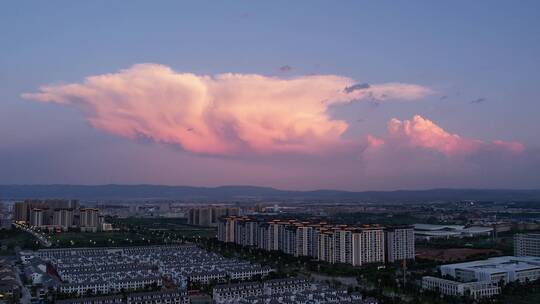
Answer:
[(252, 193)]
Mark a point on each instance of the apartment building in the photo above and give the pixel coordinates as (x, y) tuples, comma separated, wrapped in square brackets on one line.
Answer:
[(306, 236), (57, 214), (527, 244), (368, 245), (209, 216), (22, 210), (399, 243), (37, 217), (326, 246), (63, 218), (355, 245), (275, 228), (89, 219), (342, 245)]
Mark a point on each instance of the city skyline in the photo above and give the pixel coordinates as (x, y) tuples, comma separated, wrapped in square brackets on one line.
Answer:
[(301, 96)]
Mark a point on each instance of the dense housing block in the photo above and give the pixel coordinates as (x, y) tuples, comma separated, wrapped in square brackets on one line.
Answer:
[(355, 245)]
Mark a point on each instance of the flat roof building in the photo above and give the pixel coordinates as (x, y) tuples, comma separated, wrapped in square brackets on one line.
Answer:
[(499, 269), (428, 231), (474, 290)]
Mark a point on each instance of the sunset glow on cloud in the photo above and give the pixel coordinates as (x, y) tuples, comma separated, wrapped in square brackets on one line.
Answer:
[(388, 95), (420, 132), (225, 114)]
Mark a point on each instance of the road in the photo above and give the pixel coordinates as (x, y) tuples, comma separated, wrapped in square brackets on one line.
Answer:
[(41, 238), (25, 294)]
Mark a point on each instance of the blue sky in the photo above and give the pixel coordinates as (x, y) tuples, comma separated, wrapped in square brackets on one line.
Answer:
[(462, 50)]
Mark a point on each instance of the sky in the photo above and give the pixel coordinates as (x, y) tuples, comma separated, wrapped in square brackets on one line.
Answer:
[(353, 95)]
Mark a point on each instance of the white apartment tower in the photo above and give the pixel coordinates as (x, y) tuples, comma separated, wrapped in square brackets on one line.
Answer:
[(399, 243), (326, 246), (36, 217), (63, 218), (343, 245), (527, 244), (368, 245), (89, 219), (305, 241), (274, 229)]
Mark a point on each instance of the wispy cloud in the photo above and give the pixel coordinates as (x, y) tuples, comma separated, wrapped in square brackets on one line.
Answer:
[(478, 100), (285, 68)]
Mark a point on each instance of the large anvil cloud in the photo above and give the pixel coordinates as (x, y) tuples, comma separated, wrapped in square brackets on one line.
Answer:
[(225, 114)]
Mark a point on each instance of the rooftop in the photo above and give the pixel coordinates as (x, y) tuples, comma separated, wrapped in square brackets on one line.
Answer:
[(499, 264)]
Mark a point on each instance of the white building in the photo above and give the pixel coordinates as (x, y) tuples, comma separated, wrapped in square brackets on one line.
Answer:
[(291, 290), (111, 286), (106, 270), (368, 246), (89, 219), (399, 243), (484, 278), (500, 269), (355, 245), (428, 231), (63, 218), (474, 290), (326, 246), (36, 217), (343, 250), (305, 241), (527, 244)]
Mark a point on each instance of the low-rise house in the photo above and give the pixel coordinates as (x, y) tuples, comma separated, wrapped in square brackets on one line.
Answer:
[(282, 291), (82, 271)]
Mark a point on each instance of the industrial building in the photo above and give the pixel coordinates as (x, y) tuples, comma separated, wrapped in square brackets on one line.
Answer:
[(483, 278), (428, 231)]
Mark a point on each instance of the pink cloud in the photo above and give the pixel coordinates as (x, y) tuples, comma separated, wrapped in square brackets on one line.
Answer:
[(420, 132), (374, 143), (225, 114), (417, 151), (515, 147)]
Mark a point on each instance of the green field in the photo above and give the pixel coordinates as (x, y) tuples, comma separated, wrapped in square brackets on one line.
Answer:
[(176, 226), (134, 232)]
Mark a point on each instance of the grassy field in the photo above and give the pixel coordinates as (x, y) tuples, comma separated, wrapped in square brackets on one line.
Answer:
[(504, 244), (134, 232), (176, 226)]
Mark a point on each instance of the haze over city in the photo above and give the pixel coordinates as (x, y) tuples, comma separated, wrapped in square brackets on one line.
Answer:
[(306, 95)]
